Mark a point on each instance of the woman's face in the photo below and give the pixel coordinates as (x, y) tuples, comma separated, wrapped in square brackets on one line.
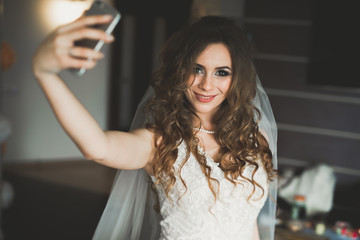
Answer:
[(210, 80)]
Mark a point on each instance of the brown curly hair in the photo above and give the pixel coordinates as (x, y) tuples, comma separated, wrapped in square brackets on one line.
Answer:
[(171, 114)]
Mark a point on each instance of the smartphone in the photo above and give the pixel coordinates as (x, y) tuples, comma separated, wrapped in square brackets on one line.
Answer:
[(98, 8)]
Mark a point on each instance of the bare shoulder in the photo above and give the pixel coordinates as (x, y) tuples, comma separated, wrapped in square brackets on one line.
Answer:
[(264, 138), (143, 133), (148, 137), (137, 136), (265, 135)]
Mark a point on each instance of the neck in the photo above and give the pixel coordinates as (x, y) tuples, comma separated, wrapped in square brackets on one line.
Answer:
[(205, 119), (204, 125)]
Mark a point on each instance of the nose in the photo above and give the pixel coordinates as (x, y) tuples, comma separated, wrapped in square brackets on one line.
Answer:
[(205, 83)]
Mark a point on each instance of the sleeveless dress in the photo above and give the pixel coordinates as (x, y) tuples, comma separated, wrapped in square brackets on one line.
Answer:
[(197, 215)]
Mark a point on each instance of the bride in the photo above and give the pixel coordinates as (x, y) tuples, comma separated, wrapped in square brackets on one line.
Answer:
[(207, 140)]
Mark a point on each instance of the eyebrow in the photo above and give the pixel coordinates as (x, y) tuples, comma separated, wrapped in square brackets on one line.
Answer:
[(217, 68)]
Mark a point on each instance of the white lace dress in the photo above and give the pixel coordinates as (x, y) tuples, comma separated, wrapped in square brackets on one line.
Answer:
[(197, 216)]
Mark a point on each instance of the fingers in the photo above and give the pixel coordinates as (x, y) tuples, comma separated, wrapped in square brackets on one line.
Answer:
[(76, 62), (89, 33), (78, 57), (57, 51), (72, 56), (85, 53), (80, 63), (86, 21)]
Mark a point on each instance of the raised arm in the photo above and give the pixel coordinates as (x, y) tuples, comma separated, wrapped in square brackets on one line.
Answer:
[(122, 150)]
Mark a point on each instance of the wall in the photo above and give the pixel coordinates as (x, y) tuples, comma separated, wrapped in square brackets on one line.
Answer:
[(141, 34), (317, 123), (36, 133)]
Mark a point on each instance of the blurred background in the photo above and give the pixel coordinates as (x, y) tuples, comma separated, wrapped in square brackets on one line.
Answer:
[(306, 57)]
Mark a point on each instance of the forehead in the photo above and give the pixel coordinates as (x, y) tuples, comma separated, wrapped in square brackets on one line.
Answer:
[(216, 54)]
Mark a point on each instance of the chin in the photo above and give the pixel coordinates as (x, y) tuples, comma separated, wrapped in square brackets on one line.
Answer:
[(205, 109)]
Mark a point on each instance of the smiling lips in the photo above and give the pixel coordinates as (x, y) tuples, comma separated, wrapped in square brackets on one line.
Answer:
[(204, 98)]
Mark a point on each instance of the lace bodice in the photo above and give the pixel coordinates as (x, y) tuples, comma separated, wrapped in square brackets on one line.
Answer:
[(198, 216)]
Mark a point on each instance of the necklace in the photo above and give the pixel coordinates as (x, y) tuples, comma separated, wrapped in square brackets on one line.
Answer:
[(204, 131)]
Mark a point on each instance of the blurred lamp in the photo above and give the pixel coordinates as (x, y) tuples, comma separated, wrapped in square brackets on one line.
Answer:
[(59, 12)]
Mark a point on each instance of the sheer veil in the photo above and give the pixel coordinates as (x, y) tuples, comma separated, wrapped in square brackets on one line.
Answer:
[(267, 216), (129, 213)]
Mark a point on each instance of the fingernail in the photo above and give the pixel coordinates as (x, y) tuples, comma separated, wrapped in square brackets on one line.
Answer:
[(110, 37), (107, 17)]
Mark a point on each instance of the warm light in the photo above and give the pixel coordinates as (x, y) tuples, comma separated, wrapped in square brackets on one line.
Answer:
[(59, 12)]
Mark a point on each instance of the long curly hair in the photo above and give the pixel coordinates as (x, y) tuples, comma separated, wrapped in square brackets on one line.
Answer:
[(171, 115)]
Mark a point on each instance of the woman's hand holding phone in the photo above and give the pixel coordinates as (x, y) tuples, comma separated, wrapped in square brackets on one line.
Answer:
[(58, 50)]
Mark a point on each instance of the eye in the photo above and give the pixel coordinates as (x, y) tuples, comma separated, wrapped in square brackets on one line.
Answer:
[(222, 73), (198, 70)]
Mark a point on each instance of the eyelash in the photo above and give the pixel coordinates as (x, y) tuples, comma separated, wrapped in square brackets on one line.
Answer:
[(198, 70), (220, 73)]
